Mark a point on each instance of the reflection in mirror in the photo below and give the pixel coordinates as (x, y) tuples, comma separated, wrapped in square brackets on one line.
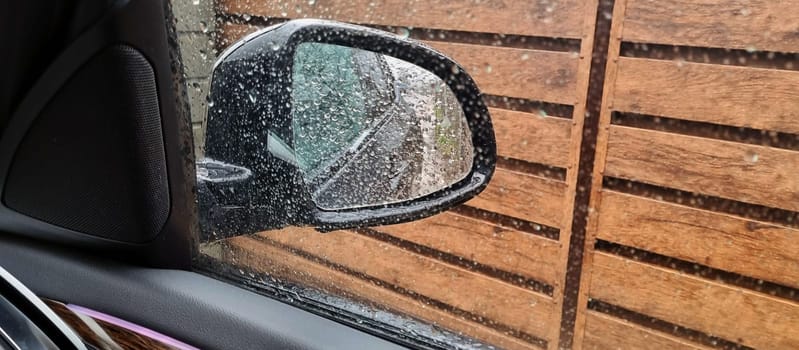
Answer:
[(370, 129)]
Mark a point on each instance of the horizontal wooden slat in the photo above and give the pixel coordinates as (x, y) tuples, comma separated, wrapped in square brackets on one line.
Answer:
[(696, 303), (556, 18), (751, 248), (284, 265), (531, 74), (530, 137), (748, 173), (752, 24), (524, 196), (484, 242), (231, 32), (739, 96), (607, 332), (507, 304)]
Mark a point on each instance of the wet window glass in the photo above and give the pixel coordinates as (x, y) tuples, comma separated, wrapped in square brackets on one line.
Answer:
[(645, 194)]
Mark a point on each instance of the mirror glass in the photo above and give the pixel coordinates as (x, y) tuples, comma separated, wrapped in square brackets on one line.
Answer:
[(370, 129)]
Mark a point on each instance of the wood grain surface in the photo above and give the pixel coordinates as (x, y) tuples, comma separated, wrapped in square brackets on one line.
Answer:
[(522, 73), (732, 313), (530, 74), (741, 24), (605, 332), (743, 172), (532, 137), (553, 18), (739, 96), (523, 196), (751, 248), (484, 242), (277, 262), (478, 294)]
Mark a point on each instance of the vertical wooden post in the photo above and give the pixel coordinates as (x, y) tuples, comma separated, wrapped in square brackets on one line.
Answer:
[(572, 171), (614, 47)]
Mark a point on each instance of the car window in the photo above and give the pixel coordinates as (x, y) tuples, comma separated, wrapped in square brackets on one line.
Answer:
[(645, 194)]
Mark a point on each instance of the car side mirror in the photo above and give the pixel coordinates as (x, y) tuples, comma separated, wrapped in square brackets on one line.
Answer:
[(331, 125)]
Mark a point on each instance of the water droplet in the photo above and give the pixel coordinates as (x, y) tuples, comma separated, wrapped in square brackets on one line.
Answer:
[(489, 68), (403, 32), (455, 69), (251, 97), (751, 156), (195, 2), (246, 17), (311, 2), (525, 57), (751, 49)]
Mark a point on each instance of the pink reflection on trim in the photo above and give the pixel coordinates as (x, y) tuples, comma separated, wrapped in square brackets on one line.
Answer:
[(131, 327)]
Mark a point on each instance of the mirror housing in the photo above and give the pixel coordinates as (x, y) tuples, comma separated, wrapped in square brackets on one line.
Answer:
[(250, 180)]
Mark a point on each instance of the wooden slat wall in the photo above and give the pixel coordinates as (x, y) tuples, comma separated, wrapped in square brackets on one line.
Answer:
[(748, 247), (529, 236), (739, 96), (695, 231), (515, 193), (522, 73), (481, 241), (692, 233), (731, 170), (532, 138), (606, 332), (749, 318), (533, 18), (515, 306), (280, 263), (753, 24)]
